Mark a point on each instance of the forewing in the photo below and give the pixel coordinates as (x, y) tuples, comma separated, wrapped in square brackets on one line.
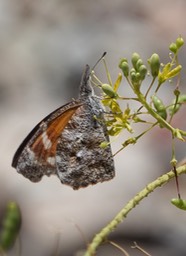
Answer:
[(36, 155)]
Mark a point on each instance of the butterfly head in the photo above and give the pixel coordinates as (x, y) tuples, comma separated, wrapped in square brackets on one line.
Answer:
[(85, 86)]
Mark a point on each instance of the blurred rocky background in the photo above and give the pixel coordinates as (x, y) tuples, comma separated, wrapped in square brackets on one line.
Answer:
[(44, 46)]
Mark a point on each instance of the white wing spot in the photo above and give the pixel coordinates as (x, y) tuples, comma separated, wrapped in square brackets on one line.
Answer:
[(31, 154), (51, 161), (80, 153), (46, 142)]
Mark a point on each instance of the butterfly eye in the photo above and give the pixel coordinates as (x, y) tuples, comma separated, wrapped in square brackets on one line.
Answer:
[(179, 203)]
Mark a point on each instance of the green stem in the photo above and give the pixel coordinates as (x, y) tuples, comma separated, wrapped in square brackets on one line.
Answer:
[(134, 139), (153, 113), (102, 235), (150, 87), (182, 132)]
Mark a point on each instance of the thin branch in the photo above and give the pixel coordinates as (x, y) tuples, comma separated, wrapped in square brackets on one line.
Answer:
[(103, 234)]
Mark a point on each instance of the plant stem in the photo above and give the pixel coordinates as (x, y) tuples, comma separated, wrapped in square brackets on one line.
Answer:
[(153, 113), (102, 235)]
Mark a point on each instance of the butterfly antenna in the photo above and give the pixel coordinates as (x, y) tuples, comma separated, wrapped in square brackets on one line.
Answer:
[(103, 55)]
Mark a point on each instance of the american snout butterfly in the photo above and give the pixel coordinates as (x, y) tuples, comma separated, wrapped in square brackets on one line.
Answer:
[(67, 143)]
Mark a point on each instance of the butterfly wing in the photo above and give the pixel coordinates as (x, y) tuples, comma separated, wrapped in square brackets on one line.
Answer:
[(35, 157), (67, 143), (80, 160)]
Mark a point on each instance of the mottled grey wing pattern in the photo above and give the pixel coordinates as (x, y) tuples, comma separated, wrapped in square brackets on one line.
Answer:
[(67, 143), (32, 158), (80, 159)]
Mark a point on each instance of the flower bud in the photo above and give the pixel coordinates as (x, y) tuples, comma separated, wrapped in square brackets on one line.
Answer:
[(108, 90), (138, 76), (138, 64), (133, 76), (143, 71), (159, 106), (173, 48), (157, 102), (121, 61), (154, 64), (134, 59), (179, 42), (124, 67), (163, 114)]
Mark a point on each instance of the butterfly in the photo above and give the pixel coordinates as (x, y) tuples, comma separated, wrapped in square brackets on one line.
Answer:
[(67, 142)]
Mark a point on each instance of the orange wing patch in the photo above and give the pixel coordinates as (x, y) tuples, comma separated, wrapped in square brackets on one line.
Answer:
[(45, 144)]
